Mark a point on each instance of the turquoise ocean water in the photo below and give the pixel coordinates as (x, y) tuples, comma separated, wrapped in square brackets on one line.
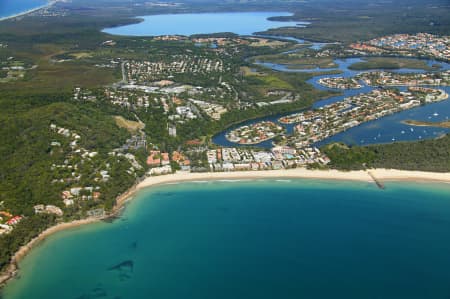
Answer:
[(12, 7), (254, 239)]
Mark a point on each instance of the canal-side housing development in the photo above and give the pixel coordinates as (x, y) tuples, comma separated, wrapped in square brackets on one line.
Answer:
[(319, 124)]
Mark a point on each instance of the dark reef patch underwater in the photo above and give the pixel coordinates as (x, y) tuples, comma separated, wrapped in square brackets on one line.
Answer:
[(254, 239)]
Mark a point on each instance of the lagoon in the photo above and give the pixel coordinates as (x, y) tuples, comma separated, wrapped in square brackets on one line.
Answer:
[(254, 239), (242, 23)]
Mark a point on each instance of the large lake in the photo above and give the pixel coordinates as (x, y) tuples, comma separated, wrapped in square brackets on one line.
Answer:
[(254, 239), (243, 23), (13, 7)]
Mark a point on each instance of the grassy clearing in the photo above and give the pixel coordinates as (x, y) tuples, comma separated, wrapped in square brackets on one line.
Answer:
[(251, 72), (273, 82), (81, 55), (264, 82), (131, 126), (268, 43), (62, 77)]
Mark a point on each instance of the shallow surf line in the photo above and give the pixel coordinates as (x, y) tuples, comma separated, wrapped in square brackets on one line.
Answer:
[(214, 230)]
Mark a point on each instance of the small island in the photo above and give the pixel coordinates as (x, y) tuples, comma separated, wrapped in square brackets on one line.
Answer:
[(391, 63)]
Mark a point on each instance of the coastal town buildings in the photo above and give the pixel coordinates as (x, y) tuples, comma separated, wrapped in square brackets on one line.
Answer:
[(255, 133), (420, 44), (340, 83), (49, 209), (317, 125), (8, 222), (159, 84), (381, 78), (147, 71), (214, 111)]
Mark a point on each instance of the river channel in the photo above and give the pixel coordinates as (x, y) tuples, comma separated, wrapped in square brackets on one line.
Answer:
[(384, 130)]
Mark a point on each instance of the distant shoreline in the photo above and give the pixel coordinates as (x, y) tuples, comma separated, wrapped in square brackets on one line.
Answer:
[(21, 14), (298, 173)]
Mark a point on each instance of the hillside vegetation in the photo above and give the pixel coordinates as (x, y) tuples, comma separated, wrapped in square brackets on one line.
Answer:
[(427, 155)]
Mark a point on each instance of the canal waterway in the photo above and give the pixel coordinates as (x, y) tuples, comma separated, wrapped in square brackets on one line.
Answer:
[(387, 129), (384, 130)]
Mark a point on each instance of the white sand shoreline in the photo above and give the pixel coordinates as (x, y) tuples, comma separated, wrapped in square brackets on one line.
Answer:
[(299, 173), (21, 14)]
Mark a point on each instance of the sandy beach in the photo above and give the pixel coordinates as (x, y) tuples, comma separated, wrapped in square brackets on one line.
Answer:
[(21, 14), (382, 175), (12, 269)]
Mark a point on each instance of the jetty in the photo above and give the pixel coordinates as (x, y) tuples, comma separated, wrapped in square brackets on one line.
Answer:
[(379, 183)]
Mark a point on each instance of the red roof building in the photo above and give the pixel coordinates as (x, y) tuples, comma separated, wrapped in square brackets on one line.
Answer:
[(154, 159), (14, 220)]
